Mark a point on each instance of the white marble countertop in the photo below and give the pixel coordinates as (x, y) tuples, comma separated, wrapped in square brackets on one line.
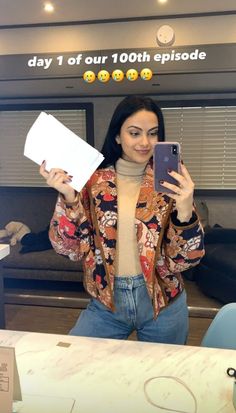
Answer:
[(4, 250), (66, 374)]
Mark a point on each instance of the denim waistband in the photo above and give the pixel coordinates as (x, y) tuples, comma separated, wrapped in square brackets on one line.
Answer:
[(129, 282)]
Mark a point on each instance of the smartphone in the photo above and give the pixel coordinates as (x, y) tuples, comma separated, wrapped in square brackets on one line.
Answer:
[(166, 156)]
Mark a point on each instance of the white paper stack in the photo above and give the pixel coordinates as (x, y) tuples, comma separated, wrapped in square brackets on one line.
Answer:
[(50, 140)]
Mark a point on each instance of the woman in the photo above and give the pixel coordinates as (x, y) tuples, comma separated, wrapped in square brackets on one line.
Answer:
[(134, 242)]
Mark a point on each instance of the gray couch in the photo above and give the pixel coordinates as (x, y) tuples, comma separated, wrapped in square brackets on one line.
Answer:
[(38, 277)]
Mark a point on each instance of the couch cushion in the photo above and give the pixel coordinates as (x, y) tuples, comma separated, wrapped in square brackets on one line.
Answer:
[(43, 260), (216, 273), (219, 235), (216, 284), (221, 257)]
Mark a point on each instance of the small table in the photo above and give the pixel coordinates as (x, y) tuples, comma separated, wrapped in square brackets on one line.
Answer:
[(68, 374), (4, 251)]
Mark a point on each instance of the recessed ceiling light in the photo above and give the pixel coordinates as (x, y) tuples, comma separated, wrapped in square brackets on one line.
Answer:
[(48, 7), (162, 1)]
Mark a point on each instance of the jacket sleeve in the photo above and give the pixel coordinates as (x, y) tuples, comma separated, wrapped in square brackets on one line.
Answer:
[(183, 244), (70, 229)]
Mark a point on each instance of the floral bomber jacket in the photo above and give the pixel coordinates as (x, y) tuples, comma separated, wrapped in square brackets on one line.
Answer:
[(86, 230)]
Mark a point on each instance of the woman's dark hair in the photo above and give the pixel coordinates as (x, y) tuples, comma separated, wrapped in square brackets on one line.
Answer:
[(111, 150)]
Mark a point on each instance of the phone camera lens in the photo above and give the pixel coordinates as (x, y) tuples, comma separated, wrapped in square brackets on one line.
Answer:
[(174, 149)]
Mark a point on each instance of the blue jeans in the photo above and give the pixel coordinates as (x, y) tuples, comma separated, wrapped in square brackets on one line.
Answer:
[(134, 311)]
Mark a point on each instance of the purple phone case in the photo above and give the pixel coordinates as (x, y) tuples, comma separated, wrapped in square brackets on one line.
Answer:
[(165, 159)]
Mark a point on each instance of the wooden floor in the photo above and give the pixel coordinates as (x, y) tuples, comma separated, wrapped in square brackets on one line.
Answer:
[(60, 320)]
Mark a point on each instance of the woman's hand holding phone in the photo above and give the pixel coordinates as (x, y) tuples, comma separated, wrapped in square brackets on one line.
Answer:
[(182, 193), (173, 178)]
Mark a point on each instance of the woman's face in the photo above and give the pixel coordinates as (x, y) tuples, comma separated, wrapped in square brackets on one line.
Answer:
[(138, 135)]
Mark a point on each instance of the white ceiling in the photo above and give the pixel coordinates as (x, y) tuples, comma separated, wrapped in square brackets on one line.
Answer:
[(24, 12)]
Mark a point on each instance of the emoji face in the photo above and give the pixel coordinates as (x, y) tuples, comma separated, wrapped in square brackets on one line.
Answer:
[(132, 74), (117, 75), (103, 76), (89, 76), (146, 74)]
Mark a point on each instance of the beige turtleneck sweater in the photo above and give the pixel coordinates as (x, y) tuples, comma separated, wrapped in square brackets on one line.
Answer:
[(129, 177)]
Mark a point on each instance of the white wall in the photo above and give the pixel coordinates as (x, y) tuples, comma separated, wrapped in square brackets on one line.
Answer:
[(188, 31)]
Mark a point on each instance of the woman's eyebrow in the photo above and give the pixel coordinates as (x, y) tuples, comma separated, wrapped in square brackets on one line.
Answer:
[(155, 127), (137, 127), (134, 126)]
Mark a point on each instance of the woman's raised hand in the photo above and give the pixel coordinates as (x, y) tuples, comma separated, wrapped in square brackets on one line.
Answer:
[(59, 180), (182, 193)]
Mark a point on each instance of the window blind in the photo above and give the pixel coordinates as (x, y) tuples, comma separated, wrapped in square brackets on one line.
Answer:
[(208, 139), (15, 168)]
